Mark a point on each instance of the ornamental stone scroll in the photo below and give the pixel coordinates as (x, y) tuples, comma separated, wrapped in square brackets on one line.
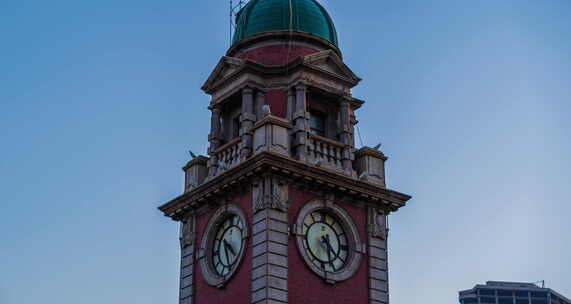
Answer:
[(378, 223), (270, 192)]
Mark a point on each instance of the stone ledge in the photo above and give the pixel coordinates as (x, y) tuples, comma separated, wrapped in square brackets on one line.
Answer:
[(306, 175)]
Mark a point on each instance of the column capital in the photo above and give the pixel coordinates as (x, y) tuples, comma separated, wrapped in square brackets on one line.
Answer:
[(215, 109), (247, 90), (300, 87)]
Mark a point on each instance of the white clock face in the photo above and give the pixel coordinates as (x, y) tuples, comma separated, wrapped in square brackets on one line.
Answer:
[(228, 245), (325, 241)]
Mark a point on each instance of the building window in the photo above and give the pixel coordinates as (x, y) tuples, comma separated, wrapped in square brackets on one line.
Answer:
[(539, 294), (487, 292), (487, 300), (521, 294), (317, 123), (505, 301)]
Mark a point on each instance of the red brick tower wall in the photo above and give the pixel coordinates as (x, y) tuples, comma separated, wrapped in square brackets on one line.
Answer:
[(305, 286), (238, 290), (277, 100)]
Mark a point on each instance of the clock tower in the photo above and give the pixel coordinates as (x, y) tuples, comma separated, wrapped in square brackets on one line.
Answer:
[(284, 208)]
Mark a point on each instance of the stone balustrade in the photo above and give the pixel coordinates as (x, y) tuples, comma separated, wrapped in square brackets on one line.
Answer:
[(325, 152), (228, 155), (273, 134)]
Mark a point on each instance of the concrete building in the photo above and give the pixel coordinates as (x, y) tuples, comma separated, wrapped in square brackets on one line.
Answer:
[(284, 209), (511, 293)]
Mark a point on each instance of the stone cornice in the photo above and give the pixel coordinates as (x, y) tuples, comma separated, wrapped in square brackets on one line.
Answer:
[(296, 172), (370, 151), (245, 66), (202, 160)]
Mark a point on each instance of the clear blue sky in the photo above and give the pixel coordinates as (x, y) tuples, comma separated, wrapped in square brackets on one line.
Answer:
[(100, 100)]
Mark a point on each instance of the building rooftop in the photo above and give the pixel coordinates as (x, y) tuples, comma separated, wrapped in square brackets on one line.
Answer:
[(511, 292)]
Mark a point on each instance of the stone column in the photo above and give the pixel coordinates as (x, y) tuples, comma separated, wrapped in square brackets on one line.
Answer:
[(260, 101), (270, 241), (300, 122), (187, 239), (347, 157), (354, 122), (290, 105), (215, 140), (378, 258), (247, 120)]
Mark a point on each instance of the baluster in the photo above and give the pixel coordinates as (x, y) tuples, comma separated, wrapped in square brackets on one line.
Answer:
[(337, 157), (224, 159), (236, 156), (326, 152), (311, 149), (318, 150), (231, 156), (330, 155)]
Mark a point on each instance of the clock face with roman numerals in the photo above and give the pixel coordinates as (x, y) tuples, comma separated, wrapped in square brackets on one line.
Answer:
[(325, 241), (228, 245)]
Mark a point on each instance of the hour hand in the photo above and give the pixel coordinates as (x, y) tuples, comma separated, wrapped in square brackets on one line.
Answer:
[(325, 240)]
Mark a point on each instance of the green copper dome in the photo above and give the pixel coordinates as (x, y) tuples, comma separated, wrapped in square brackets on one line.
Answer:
[(307, 16)]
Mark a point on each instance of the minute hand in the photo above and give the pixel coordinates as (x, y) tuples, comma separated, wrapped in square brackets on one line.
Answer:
[(325, 240), (229, 247), (330, 248)]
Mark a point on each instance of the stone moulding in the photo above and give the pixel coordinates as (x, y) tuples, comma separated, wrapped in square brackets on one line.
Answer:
[(295, 172), (232, 73)]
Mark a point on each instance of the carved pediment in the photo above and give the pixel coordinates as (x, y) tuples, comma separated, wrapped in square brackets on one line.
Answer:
[(226, 67), (329, 62)]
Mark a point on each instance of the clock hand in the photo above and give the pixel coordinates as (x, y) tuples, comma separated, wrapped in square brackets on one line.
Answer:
[(226, 252), (326, 241), (330, 248), (229, 247)]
